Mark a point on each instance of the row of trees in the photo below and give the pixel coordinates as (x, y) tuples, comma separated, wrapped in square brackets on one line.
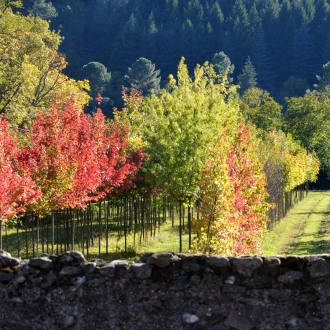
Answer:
[(198, 149), (65, 160), (202, 143), (202, 150)]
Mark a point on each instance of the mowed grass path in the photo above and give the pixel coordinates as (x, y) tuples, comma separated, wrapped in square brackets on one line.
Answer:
[(305, 230)]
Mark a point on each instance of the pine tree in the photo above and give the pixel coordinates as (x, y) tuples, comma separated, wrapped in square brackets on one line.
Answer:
[(320, 23), (309, 9), (194, 11), (254, 17), (283, 46), (303, 58), (261, 57), (143, 76), (129, 42), (324, 79), (248, 77), (216, 14), (43, 9), (222, 64), (216, 22), (238, 40), (98, 76)]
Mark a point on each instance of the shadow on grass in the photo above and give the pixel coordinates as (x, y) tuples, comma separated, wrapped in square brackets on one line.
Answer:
[(130, 254), (24, 242), (311, 247), (324, 213)]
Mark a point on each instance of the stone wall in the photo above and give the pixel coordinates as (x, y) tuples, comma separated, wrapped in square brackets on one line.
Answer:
[(165, 291)]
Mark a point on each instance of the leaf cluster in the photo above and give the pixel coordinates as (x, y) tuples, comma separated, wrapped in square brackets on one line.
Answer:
[(68, 160)]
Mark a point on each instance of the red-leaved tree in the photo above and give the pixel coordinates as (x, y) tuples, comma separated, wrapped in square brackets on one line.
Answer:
[(76, 158), (17, 190), (49, 156), (248, 213)]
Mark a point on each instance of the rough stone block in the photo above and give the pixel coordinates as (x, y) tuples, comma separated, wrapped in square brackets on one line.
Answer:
[(141, 271), (247, 265)]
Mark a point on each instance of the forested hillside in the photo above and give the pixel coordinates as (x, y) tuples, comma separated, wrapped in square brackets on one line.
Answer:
[(287, 41)]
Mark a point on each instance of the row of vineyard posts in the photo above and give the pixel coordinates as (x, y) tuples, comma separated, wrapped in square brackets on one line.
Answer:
[(112, 226), (105, 228)]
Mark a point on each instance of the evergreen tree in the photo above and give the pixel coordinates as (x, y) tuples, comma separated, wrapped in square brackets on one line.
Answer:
[(238, 40), (248, 77), (98, 76), (152, 27), (194, 11), (293, 87), (188, 42), (324, 79), (216, 22), (309, 9), (303, 59), (239, 14), (270, 11), (172, 9), (261, 57), (128, 42), (326, 49), (217, 17), (222, 64), (321, 22), (43, 9), (299, 13), (283, 45), (143, 76), (254, 17)]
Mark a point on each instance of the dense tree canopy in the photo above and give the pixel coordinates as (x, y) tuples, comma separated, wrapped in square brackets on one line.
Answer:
[(307, 119), (31, 68), (204, 144), (178, 126), (261, 109), (283, 38), (18, 191)]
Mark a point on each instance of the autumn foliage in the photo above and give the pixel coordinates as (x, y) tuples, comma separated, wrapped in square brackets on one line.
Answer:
[(232, 206), (17, 190), (68, 159), (195, 148)]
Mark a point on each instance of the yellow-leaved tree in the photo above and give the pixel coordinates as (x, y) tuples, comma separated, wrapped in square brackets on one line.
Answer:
[(31, 67), (178, 127)]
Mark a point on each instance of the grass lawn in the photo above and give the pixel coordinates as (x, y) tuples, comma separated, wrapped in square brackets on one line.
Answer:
[(164, 238), (305, 230)]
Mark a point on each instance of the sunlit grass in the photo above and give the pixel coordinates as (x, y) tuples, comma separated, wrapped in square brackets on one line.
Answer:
[(305, 230), (163, 238)]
